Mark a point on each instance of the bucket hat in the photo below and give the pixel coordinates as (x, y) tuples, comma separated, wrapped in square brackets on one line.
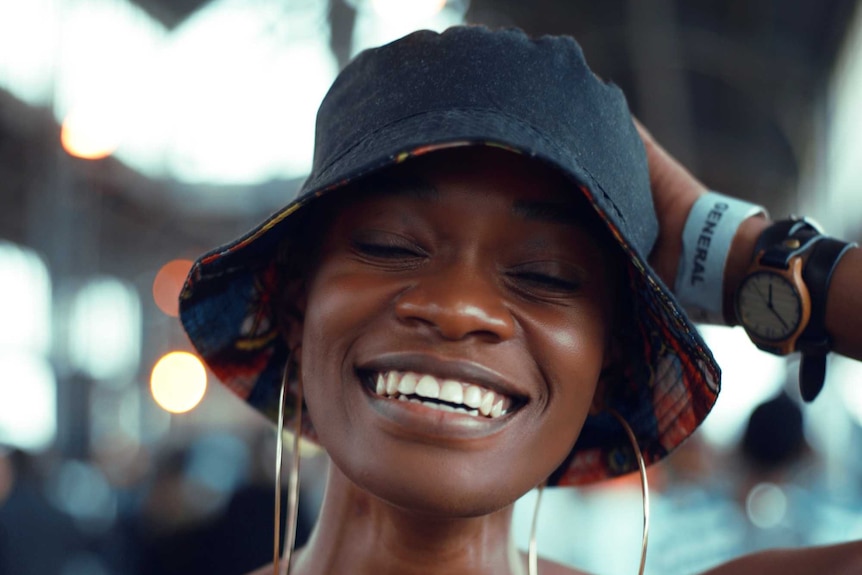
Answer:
[(471, 86)]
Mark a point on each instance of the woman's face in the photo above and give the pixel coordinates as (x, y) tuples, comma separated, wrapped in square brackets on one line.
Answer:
[(455, 329)]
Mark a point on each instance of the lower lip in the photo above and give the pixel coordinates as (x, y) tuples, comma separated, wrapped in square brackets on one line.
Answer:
[(423, 421)]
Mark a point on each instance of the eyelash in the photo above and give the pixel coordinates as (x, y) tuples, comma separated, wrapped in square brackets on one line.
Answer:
[(547, 283), (394, 251), (386, 251)]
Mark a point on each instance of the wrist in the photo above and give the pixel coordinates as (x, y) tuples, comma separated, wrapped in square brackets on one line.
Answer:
[(739, 259), (842, 302), (667, 253), (710, 230)]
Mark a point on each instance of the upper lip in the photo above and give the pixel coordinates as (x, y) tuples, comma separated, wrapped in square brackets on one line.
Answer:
[(465, 371)]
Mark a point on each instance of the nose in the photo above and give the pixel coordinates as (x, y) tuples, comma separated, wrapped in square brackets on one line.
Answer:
[(458, 303)]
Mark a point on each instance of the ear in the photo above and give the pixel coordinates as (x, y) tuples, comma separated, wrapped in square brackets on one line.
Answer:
[(609, 376), (290, 313)]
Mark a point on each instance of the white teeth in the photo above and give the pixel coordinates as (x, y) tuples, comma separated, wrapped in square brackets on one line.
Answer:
[(487, 403), (407, 385), (497, 410), (392, 383), (428, 387), (473, 396), (452, 391), (465, 398)]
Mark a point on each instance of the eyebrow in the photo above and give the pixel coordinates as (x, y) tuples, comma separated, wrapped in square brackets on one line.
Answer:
[(556, 212)]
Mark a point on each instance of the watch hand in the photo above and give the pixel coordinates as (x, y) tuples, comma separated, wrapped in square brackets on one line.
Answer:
[(781, 319), (768, 301), (763, 297)]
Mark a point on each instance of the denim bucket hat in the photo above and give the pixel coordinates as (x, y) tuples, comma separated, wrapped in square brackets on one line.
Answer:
[(471, 86)]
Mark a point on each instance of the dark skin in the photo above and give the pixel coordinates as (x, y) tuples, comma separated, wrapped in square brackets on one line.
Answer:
[(414, 491), (476, 270)]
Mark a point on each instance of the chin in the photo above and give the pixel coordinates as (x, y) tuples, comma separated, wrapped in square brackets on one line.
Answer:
[(440, 503), (443, 486)]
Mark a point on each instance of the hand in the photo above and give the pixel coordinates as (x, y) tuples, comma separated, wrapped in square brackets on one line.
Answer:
[(674, 191)]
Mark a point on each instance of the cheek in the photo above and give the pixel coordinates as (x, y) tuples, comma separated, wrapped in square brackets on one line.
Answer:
[(326, 337), (338, 306), (341, 309), (571, 361), (570, 347)]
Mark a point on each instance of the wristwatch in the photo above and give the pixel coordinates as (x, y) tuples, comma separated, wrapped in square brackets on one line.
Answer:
[(781, 302)]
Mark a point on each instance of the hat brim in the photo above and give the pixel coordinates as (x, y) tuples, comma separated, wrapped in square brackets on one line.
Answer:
[(227, 309)]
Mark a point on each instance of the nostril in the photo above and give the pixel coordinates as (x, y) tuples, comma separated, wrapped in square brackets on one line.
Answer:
[(458, 318)]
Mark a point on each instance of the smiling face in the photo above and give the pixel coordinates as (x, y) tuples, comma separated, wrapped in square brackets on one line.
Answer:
[(455, 328)]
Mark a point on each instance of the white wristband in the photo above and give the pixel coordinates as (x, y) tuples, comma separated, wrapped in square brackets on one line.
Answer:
[(706, 239)]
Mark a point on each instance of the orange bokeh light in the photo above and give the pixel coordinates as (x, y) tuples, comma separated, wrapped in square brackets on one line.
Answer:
[(168, 283), (88, 136), (178, 381)]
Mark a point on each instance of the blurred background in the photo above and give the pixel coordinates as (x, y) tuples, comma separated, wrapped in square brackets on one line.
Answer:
[(137, 134)]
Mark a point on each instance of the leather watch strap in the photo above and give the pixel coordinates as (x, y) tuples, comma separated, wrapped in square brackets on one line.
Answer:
[(777, 253), (821, 255), (815, 342)]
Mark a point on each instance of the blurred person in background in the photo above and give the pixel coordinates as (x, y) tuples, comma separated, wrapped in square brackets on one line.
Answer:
[(759, 495), (35, 536), (778, 470)]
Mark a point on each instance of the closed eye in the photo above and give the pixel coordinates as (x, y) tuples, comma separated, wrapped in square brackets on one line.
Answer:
[(383, 246), (385, 250), (548, 281), (547, 278)]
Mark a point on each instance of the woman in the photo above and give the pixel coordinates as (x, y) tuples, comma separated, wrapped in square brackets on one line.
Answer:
[(462, 293)]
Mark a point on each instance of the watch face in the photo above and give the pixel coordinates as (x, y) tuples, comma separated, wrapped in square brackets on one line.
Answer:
[(769, 306)]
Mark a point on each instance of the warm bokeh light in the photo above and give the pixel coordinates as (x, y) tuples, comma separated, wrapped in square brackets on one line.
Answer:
[(178, 381), (413, 10), (167, 285), (88, 135)]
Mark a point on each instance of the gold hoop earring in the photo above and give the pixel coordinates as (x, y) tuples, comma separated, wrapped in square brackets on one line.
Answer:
[(532, 556), (644, 485), (282, 566)]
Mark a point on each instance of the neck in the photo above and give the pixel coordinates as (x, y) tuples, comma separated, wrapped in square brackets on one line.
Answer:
[(359, 533)]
